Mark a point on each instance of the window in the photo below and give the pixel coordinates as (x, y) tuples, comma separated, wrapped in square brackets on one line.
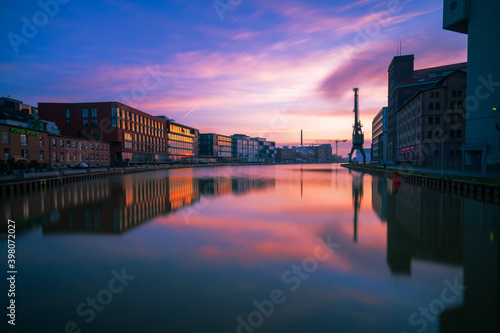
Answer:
[(102, 147), (80, 146), (85, 113), (68, 144), (81, 157), (74, 145), (7, 154), (452, 105), (432, 94), (93, 112), (106, 158), (62, 157), (438, 120), (24, 139), (54, 143), (92, 157), (69, 157), (67, 124), (54, 156), (459, 93), (102, 158), (5, 138), (93, 123), (436, 94), (26, 154), (106, 148), (454, 94), (41, 141), (452, 134), (113, 123), (86, 157), (67, 113), (418, 122), (431, 106), (74, 157), (459, 133), (87, 146), (437, 106), (85, 123), (91, 146), (460, 105), (431, 120), (97, 147), (429, 134)]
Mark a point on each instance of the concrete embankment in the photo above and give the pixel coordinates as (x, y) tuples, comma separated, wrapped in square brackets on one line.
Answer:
[(477, 188)]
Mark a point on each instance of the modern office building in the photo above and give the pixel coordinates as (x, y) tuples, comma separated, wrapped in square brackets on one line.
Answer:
[(182, 141), (403, 83), (266, 150), (212, 145), (134, 136), (379, 136), (431, 124), (239, 150), (479, 20)]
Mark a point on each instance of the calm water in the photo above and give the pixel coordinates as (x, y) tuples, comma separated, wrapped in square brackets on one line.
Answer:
[(253, 249)]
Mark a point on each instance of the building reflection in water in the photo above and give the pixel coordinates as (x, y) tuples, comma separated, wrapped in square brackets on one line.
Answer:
[(116, 205), (429, 225)]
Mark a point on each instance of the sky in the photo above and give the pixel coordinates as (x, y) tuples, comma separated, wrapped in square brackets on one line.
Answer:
[(261, 68)]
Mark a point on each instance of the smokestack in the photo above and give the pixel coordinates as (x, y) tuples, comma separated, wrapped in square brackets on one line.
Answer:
[(301, 142)]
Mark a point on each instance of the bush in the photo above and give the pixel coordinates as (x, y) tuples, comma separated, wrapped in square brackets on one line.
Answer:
[(34, 164), (3, 166), (21, 165)]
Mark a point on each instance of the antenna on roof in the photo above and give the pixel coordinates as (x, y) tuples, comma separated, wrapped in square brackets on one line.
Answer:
[(400, 48)]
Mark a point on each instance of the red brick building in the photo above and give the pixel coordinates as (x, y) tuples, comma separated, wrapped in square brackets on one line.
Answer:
[(28, 144), (20, 142), (134, 136)]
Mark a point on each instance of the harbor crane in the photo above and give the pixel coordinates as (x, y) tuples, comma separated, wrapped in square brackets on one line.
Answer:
[(358, 138)]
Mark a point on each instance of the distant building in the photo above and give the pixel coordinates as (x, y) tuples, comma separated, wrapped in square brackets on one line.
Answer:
[(431, 120), (323, 153), (8, 103), (479, 19), (266, 150), (213, 145), (403, 83), (284, 155), (135, 136), (368, 154), (379, 136)]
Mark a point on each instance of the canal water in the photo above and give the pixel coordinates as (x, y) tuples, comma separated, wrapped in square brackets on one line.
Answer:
[(312, 248)]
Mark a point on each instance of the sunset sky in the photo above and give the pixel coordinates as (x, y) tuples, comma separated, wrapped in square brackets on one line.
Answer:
[(262, 68)]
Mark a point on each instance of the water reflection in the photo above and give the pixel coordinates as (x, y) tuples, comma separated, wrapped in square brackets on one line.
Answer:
[(116, 205), (433, 226), (206, 243)]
